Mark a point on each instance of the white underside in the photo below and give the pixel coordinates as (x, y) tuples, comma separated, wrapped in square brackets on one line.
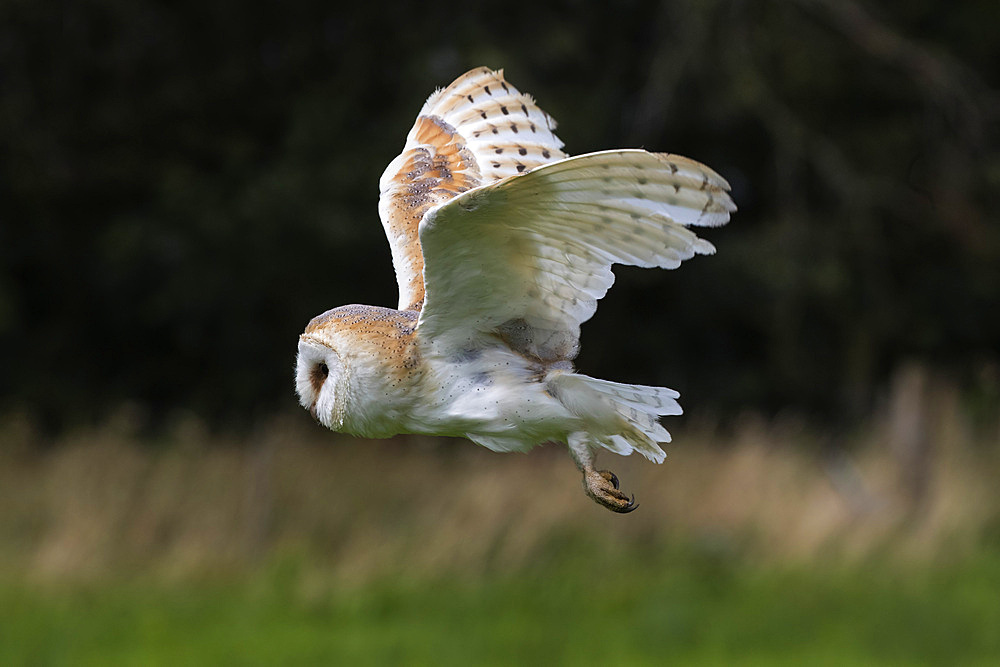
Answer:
[(500, 401)]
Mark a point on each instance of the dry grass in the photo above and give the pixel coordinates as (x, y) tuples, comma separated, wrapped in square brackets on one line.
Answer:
[(100, 502)]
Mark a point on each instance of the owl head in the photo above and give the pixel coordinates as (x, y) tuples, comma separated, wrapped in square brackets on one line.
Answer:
[(357, 366), (320, 376)]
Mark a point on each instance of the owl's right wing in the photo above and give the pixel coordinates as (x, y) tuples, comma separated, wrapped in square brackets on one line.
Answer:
[(526, 258)]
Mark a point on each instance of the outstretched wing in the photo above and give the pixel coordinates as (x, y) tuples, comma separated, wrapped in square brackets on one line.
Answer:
[(476, 131), (527, 258)]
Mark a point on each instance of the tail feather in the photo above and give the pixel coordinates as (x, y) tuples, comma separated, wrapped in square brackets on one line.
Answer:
[(620, 417)]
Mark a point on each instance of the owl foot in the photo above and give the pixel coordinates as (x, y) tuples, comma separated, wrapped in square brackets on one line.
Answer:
[(602, 486)]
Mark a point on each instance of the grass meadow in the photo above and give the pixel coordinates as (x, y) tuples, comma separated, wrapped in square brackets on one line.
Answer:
[(763, 542)]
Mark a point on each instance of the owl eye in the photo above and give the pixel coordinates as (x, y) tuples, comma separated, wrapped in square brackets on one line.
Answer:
[(318, 376)]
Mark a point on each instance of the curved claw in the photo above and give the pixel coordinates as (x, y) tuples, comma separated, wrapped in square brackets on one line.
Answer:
[(631, 507), (610, 476)]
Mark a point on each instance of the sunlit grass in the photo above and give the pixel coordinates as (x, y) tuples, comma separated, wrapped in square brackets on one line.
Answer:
[(577, 608)]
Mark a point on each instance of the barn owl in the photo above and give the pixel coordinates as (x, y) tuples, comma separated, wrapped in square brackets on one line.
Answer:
[(502, 245)]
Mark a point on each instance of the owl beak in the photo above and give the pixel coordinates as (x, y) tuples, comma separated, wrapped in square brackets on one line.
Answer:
[(313, 412)]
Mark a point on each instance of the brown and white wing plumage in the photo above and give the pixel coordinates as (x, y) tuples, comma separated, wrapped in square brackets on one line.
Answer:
[(477, 131), (526, 258)]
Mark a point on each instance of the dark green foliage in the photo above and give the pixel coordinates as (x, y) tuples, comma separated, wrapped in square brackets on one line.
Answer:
[(183, 186)]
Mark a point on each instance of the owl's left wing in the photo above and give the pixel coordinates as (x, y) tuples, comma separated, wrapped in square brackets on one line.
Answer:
[(476, 131), (527, 258)]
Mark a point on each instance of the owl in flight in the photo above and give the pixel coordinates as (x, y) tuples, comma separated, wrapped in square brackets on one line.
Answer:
[(502, 246)]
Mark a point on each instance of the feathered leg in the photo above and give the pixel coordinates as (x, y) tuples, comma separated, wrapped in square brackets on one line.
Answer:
[(601, 485)]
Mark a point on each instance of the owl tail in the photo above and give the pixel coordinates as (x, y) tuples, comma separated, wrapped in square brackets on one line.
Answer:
[(620, 417)]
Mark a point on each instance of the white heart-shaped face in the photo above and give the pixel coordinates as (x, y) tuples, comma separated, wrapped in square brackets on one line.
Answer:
[(318, 370)]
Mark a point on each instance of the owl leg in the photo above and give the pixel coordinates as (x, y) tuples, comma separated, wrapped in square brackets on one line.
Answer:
[(600, 485)]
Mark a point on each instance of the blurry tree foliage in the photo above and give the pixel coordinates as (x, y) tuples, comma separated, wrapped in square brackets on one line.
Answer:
[(183, 185)]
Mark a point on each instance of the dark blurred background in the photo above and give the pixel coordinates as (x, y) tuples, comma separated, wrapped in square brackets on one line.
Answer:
[(185, 184)]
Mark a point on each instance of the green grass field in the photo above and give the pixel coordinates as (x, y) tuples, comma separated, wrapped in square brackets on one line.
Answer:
[(626, 609), (290, 547)]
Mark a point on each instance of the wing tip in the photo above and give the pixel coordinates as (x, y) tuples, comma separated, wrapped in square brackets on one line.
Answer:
[(703, 247)]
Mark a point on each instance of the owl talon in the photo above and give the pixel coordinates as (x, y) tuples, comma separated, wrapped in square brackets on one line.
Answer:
[(602, 486)]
